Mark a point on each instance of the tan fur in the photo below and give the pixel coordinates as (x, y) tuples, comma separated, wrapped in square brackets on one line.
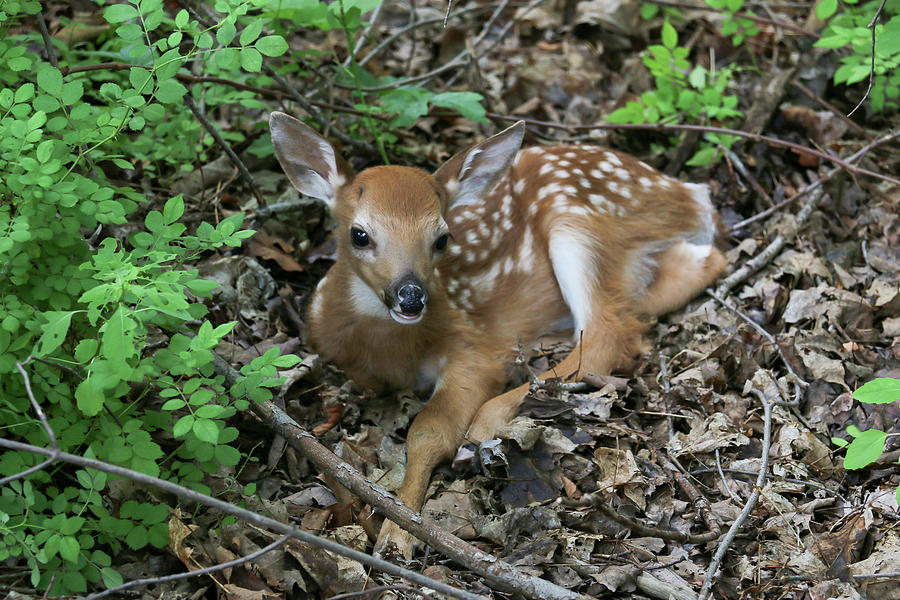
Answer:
[(570, 231)]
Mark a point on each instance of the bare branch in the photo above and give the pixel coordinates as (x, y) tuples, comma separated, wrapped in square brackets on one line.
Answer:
[(235, 159), (496, 572), (178, 576), (871, 26), (751, 502)]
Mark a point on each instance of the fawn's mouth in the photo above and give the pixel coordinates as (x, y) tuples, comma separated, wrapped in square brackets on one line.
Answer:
[(406, 319)]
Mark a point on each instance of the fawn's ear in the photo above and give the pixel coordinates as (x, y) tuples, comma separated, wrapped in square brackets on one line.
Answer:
[(472, 174), (308, 159)]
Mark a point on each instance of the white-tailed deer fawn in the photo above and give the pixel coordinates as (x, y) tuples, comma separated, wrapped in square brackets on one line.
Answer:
[(438, 276)]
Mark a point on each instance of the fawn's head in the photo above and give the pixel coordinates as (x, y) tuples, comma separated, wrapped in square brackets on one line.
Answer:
[(391, 228)]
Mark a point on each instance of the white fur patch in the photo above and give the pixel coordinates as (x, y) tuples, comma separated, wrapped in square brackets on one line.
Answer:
[(365, 300), (572, 261), (706, 233)]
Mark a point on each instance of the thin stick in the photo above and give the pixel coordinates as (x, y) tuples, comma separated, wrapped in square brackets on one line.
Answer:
[(248, 516), (770, 251), (833, 109), (663, 127), (815, 184), (871, 26), (641, 529), (751, 502), (761, 331), (187, 575), (54, 454), (497, 573), (48, 43), (235, 159)]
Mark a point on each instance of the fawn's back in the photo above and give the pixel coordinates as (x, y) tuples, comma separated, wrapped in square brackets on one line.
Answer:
[(565, 219)]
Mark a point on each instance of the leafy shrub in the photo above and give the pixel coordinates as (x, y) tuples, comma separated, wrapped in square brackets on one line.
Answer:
[(850, 28), (89, 310), (683, 93)]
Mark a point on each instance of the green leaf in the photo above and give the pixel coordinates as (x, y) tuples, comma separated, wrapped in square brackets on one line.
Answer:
[(468, 104), (648, 11), (173, 210), (826, 9), (111, 577), (271, 45), (883, 390), (116, 13), (669, 35), (117, 340), (181, 19), (139, 77), (703, 157), (865, 449), (251, 32), (206, 430), (225, 34), (183, 425), (69, 548), (54, 332), (89, 397), (50, 80), (251, 60), (839, 442), (137, 538), (170, 91)]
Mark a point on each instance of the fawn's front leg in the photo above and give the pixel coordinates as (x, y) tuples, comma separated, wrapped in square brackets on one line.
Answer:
[(437, 432), (613, 336)]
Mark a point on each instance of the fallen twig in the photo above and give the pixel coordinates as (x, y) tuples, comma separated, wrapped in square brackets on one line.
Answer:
[(761, 331), (178, 576), (248, 516), (662, 127), (818, 182), (241, 513), (751, 502), (871, 26), (497, 573), (226, 147), (769, 252), (641, 529)]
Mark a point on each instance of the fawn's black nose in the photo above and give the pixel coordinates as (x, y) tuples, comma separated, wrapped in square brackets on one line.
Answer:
[(407, 298), (412, 298)]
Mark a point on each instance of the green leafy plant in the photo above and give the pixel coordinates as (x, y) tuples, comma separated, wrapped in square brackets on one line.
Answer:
[(866, 446), (850, 28), (683, 93), (738, 27), (100, 323)]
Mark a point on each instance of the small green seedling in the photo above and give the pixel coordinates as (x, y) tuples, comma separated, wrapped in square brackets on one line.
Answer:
[(867, 446)]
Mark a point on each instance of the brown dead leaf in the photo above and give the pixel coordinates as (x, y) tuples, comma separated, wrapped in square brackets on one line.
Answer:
[(716, 431), (842, 547), (452, 510), (178, 532), (270, 247)]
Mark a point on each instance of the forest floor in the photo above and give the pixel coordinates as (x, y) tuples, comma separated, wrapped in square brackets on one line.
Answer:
[(676, 443)]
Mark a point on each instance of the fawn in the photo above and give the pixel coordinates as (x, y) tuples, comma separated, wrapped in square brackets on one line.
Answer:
[(438, 276)]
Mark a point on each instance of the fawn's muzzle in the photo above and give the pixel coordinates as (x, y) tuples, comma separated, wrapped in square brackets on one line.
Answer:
[(407, 299)]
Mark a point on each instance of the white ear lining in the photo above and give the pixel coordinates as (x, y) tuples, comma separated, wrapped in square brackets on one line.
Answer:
[(307, 159)]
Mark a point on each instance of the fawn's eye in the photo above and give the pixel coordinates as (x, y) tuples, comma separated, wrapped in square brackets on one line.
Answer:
[(440, 244), (359, 237)]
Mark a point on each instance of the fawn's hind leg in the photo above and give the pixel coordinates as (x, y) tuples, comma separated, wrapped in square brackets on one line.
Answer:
[(606, 326), (683, 271)]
